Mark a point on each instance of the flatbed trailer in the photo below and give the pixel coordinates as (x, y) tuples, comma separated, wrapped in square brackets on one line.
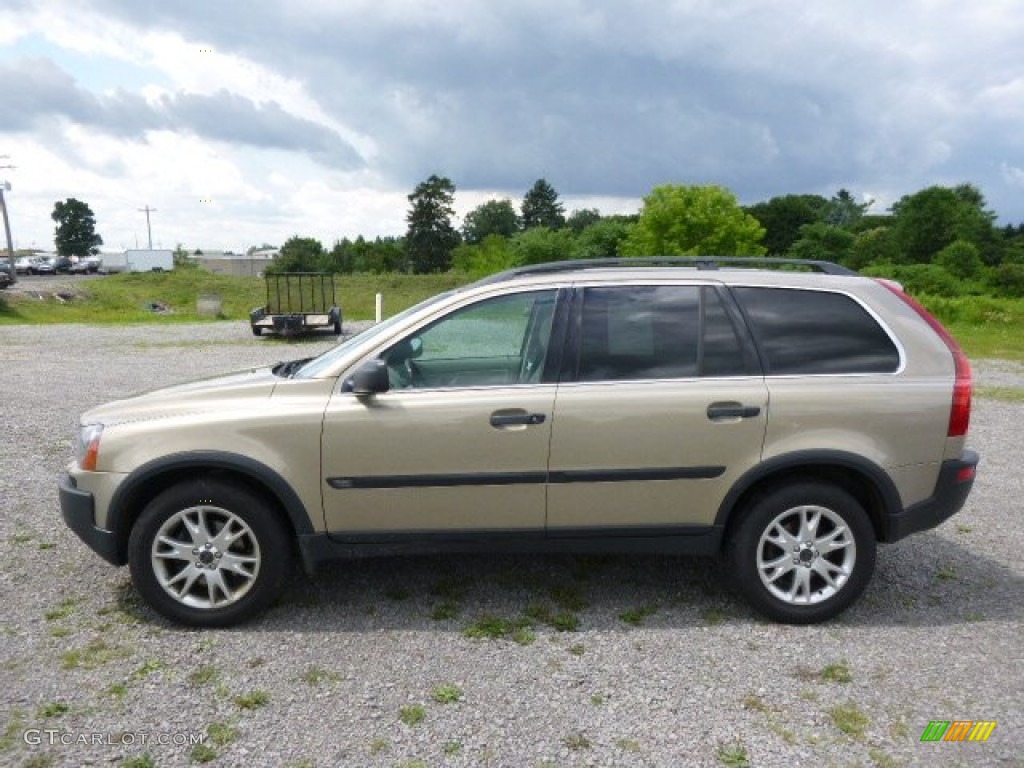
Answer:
[(297, 303)]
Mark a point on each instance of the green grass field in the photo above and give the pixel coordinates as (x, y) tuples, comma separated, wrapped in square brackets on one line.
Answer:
[(126, 298), (986, 327)]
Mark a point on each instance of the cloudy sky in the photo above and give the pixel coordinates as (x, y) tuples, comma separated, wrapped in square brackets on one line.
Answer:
[(249, 122)]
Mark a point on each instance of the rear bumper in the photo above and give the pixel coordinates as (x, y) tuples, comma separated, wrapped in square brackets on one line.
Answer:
[(956, 478), (77, 508)]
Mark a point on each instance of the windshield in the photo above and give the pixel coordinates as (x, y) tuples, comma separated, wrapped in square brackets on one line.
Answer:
[(324, 362)]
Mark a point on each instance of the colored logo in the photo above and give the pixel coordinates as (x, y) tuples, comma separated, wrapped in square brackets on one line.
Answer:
[(958, 730)]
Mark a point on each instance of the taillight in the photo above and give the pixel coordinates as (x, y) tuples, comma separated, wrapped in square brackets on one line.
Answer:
[(960, 410)]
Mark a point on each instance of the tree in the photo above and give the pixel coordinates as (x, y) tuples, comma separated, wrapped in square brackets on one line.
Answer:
[(493, 254), (299, 254), (495, 217), (927, 221), (603, 239), (541, 207), (431, 237), (961, 259), (540, 244), (825, 242), (582, 218), (693, 221), (843, 211), (75, 234), (782, 217)]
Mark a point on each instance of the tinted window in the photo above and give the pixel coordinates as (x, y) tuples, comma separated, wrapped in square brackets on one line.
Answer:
[(816, 332), (656, 332)]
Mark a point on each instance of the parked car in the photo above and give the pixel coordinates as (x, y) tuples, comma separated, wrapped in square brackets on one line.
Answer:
[(80, 267), (5, 275), (23, 264), (784, 420), (63, 265), (43, 266)]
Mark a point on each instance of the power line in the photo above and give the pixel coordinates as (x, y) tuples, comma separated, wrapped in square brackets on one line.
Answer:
[(149, 231)]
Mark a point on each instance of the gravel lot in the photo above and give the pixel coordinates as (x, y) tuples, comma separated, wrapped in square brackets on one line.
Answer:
[(327, 676)]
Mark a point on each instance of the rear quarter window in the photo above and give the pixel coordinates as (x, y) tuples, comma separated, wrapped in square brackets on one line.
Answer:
[(816, 332)]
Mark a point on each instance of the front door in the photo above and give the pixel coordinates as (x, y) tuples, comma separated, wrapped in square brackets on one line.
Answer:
[(460, 441)]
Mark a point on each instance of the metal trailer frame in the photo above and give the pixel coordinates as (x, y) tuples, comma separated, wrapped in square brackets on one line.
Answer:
[(297, 303)]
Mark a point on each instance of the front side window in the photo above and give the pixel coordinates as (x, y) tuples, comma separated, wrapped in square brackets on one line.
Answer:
[(816, 332), (496, 342), (656, 332)]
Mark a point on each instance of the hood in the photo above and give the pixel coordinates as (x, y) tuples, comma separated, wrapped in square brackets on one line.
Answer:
[(221, 392)]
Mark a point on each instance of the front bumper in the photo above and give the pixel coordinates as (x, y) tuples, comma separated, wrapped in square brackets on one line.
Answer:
[(956, 478), (77, 508)]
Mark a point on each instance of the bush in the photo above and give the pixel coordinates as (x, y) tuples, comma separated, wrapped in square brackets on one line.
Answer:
[(961, 259), (1008, 280), (918, 279)]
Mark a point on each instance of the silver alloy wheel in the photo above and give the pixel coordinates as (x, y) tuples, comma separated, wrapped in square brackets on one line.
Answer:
[(805, 555), (205, 557)]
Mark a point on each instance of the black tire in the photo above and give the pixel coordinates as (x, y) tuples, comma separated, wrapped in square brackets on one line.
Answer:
[(210, 582), (257, 331), (337, 327), (791, 583)]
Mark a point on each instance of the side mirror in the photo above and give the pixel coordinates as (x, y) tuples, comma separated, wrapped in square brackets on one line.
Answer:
[(370, 378)]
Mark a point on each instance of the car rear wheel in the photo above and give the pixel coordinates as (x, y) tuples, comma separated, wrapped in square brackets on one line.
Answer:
[(208, 554), (803, 553)]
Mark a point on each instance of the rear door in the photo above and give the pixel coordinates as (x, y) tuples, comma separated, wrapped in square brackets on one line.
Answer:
[(661, 408)]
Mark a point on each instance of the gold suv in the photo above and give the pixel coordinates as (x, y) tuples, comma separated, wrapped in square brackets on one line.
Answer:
[(785, 419)]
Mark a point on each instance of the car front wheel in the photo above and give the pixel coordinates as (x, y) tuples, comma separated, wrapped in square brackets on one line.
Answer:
[(803, 553), (208, 554)]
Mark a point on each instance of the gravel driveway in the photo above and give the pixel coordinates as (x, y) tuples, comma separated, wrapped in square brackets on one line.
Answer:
[(371, 664)]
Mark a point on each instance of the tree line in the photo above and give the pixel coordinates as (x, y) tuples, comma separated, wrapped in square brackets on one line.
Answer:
[(940, 240)]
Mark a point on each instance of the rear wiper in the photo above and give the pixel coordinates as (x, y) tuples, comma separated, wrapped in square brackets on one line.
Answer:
[(285, 370)]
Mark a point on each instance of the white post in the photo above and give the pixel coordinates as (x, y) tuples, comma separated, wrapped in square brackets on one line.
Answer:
[(380, 307)]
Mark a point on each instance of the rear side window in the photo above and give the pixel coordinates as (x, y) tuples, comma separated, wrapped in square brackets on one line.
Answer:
[(656, 332), (808, 332)]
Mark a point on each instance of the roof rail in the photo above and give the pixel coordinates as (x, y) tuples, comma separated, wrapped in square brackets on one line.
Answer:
[(700, 262)]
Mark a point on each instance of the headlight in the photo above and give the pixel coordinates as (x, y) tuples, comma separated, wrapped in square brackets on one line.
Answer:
[(88, 446)]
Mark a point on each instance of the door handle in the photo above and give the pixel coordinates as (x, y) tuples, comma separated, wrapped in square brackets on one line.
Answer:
[(516, 418), (723, 411)]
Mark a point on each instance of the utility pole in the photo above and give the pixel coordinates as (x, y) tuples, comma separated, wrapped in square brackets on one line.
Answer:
[(6, 186), (149, 231)]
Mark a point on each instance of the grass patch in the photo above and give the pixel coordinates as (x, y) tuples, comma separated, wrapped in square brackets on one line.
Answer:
[(95, 654), (144, 760), (453, 748), (202, 753), (379, 745), (577, 742), (628, 745), (849, 719), (54, 709), (317, 675), (837, 673), (447, 694), (446, 610), (637, 616), (412, 714), (1004, 394), (222, 734), (253, 700), (578, 649), (946, 573), (733, 755), (203, 675), (491, 627)]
